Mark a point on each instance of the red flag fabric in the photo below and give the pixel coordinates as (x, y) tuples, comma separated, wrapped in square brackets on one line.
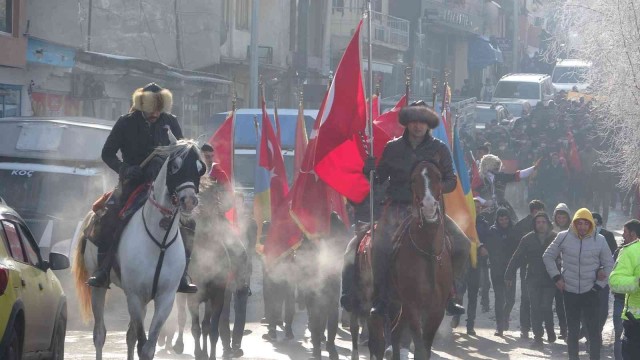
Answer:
[(574, 157), (284, 234), (301, 142), (272, 160), (337, 157), (376, 106), (387, 127), (222, 143)]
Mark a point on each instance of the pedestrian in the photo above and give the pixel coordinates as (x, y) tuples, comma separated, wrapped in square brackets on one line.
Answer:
[(239, 290), (553, 180), (487, 90), (522, 228), (472, 284), (541, 289), (630, 234), (466, 89), (561, 222), (624, 280), (501, 244), (583, 253)]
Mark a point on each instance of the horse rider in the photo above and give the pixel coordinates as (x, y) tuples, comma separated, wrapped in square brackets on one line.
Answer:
[(148, 124), (399, 157)]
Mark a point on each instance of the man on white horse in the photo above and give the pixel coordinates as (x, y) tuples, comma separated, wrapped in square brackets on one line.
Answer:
[(148, 125)]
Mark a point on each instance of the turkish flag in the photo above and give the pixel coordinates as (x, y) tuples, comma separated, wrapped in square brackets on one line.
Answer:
[(272, 160), (222, 143), (387, 127), (337, 157)]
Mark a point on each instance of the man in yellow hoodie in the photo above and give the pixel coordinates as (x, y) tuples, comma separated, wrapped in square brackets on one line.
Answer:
[(583, 253)]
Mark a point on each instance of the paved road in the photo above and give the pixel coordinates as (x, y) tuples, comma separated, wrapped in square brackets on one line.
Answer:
[(450, 343)]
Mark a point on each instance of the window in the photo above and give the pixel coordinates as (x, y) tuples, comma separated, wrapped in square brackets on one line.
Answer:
[(243, 7), (9, 99), (6, 14), (517, 90), (14, 241), (27, 242)]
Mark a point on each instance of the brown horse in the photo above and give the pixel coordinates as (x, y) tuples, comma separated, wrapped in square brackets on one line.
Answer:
[(421, 267), (363, 285)]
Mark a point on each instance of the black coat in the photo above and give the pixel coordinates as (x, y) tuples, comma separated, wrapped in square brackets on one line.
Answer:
[(501, 245), (611, 239), (399, 159), (529, 253), (135, 138)]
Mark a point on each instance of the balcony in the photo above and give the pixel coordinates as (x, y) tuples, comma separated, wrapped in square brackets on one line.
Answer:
[(388, 31)]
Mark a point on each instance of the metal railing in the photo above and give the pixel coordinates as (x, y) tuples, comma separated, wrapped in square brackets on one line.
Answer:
[(387, 31)]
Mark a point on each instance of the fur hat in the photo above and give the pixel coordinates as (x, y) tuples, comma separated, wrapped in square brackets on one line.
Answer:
[(488, 163), (152, 98), (420, 112)]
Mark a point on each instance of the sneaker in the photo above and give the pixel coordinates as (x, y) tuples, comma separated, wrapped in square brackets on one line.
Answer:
[(537, 344), (498, 333), (551, 337), (237, 352), (270, 336), (471, 332)]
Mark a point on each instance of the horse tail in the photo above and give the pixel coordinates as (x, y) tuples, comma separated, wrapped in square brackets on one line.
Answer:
[(80, 273)]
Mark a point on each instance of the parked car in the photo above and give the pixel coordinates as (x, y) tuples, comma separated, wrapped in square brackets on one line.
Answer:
[(533, 88), (487, 112), (33, 306), (569, 74)]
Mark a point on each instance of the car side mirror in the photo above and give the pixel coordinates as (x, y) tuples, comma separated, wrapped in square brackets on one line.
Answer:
[(58, 261)]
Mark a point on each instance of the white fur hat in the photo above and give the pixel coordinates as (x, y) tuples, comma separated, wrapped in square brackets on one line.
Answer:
[(490, 162), (152, 98)]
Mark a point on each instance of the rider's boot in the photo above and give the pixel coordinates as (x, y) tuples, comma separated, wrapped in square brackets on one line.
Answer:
[(380, 293), (100, 277), (185, 283), (453, 308)]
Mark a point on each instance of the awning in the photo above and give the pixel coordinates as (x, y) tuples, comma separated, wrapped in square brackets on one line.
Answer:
[(482, 54), (149, 67)]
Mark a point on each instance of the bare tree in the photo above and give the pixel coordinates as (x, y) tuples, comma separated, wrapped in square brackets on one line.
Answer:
[(607, 33)]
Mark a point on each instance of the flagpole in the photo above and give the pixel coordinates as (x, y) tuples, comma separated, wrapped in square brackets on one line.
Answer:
[(407, 83), (434, 92), (370, 117)]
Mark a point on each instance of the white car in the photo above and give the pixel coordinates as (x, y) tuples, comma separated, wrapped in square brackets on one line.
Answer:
[(570, 73), (532, 88)]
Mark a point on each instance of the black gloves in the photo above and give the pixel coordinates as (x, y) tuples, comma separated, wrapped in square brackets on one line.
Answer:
[(369, 165), (130, 172)]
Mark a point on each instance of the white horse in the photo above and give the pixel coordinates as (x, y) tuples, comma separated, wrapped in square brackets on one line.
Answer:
[(146, 248)]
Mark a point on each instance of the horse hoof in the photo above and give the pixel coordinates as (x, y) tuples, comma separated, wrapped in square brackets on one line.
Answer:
[(178, 348)]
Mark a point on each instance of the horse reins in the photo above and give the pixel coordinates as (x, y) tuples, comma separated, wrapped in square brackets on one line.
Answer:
[(423, 220)]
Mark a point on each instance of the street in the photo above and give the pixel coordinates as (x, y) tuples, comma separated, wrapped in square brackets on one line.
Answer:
[(450, 344)]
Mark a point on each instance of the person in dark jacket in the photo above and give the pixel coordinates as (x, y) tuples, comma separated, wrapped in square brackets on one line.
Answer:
[(541, 288), (501, 245), (472, 284), (396, 164), (135, 135), (522, 228)]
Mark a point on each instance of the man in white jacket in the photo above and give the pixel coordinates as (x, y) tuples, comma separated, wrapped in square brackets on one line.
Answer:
[(583, 252)]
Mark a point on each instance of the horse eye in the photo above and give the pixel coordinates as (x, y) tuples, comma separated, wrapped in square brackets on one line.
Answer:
[(176, 164)]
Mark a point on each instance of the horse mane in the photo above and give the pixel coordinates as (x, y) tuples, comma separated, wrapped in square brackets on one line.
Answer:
[(179, 148)]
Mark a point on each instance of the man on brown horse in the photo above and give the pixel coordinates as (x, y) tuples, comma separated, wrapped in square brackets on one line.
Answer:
[(149, 124), (398, 159)]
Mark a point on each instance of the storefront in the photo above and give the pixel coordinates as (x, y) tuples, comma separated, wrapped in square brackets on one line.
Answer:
[(10, 100)]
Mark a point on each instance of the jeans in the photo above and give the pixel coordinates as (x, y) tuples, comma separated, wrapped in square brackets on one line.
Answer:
[(472, 287), (630, 340), (562, 316), (541, 300), (240, 297), (618, 306), (279, 292), (485, 282), (575, 305), (525, 305), (505, 298)]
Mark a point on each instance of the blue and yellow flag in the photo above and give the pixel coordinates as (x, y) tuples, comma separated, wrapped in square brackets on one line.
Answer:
[(459, 204)]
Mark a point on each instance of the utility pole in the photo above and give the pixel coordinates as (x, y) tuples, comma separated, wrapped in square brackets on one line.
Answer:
[(326, 40), (253, 65), (89, 25), (516, 30)]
